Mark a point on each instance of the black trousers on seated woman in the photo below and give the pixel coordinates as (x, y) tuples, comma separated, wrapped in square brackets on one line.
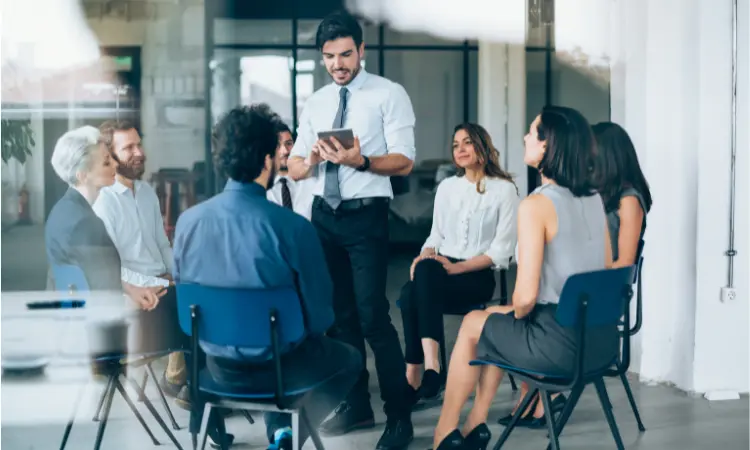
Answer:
[(433, 293)]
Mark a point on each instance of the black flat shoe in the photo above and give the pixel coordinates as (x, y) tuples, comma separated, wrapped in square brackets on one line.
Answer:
[(454, 441), (479, 438)]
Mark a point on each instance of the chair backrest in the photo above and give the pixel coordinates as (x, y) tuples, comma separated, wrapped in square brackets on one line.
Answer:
[(69, 278), (604, 293), (241, 317)]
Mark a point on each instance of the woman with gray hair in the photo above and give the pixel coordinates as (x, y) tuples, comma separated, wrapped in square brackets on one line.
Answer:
[(73, 234)]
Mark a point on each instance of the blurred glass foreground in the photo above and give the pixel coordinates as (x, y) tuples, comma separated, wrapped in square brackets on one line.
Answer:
[(664, 70)]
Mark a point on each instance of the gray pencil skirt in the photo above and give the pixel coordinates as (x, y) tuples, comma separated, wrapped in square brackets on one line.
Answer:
[(540, 344)]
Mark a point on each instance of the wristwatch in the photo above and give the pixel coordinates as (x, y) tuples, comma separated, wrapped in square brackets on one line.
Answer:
[(365, 165)]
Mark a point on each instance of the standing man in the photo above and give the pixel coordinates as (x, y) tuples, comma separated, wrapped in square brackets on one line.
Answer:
[(350, 212), (291, 194), (131, 213)]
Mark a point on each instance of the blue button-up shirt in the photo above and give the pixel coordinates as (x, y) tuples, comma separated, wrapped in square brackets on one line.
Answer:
[(238, 239)]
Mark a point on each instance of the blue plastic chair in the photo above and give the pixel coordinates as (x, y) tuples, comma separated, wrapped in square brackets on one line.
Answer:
[(623, 364), (263, 319), (71, 279), (588, 300)]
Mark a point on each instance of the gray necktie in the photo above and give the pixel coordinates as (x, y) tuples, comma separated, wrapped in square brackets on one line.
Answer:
[(331, 192)]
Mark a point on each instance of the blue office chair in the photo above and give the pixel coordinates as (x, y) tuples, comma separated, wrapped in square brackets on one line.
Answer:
[(259, 319), (71, 279), (623, 364), (588, 300)]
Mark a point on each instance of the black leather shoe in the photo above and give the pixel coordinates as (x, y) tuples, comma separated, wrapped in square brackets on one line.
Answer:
[(182, 400), (213, 440), (478, 438), (169, 389), (398, 435), (454, 441), (347, 418), (432, 382)]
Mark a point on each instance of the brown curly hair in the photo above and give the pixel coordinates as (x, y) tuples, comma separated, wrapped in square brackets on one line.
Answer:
[(487, 155)]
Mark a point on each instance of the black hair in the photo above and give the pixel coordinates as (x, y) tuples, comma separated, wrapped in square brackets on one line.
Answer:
[(617, 166), (339, 24), (569, 156), (242, 139)]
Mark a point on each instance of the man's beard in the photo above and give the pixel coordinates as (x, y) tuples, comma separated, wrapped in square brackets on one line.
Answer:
[(130, 172), (353, 73), (271, 177)]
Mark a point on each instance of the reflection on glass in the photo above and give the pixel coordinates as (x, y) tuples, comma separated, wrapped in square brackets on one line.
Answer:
[(252, 76), (306, 29), (231, 31), (396, 37), (474, 86), (434, 81), (535, 84), (312, 74), (583, 88)]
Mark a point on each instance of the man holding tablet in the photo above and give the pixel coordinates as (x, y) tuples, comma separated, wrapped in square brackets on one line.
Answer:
[(350, 212)]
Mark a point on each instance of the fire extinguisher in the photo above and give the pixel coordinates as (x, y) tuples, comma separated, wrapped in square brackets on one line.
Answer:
[(23, 206)]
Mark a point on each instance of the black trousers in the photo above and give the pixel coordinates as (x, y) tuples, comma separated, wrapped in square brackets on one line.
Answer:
[(329, 365), (355, 243), (434, 293)]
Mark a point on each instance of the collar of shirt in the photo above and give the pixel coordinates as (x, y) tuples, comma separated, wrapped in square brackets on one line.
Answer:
[(121, 188), (252, 188), (355, 84)]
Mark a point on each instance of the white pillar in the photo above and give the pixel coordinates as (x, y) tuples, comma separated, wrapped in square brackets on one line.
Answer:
[(502, 103), (671, 91)]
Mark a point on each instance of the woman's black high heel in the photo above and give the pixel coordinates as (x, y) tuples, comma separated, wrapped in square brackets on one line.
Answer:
[(454, 441), (479, 438)]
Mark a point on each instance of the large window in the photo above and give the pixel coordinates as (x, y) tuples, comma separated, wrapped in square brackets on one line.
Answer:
[(268, 55)]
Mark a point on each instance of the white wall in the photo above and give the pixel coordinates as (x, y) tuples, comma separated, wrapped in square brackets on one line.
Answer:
[(671, 90)]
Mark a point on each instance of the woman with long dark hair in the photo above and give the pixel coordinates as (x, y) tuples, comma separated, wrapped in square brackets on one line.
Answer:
[(473, 232), (562, 230), (624, 190)]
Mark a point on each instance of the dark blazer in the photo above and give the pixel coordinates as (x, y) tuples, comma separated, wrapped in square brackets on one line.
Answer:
[(75, 235)]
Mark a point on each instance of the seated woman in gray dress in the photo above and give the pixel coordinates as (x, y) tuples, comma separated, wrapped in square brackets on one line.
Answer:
[(624, 190), (562, 230)]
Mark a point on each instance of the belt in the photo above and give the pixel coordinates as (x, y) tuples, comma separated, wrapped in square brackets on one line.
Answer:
[(350, 205)]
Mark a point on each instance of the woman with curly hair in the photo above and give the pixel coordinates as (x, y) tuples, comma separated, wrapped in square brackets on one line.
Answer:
[(473, 232)]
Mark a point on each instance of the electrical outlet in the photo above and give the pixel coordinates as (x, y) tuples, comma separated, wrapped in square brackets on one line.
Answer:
[(728, 294)]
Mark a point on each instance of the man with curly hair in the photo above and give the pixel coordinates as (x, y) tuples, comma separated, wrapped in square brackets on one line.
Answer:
[(239, 239)]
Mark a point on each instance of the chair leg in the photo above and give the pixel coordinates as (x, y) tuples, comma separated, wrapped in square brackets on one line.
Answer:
[(155, 413), (107, 407), (295, 431), (142, 395), (204, 425), (247, 415), (524, 405), (101, 399), (631, 399), (69, 426), (137, 414), (443, 357), (546, 401), (601, 389), (313, 431), (512, 383), (570, 405), (150, 370)]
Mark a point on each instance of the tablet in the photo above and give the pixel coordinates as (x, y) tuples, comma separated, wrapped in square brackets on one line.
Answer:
[(344, 136)]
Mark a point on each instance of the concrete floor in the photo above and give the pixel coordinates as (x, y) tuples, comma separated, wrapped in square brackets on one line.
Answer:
[(34, 411)]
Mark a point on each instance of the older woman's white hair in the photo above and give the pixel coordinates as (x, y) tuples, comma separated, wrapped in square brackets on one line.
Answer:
[(73, 152)]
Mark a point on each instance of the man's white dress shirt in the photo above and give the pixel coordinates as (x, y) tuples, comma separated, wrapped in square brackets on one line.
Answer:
[(378, 111), (135, 224), (466, 223), (301, 192)]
